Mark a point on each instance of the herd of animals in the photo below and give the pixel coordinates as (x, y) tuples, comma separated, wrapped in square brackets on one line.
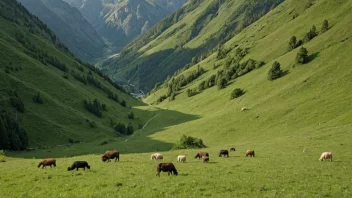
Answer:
[(161, 167)]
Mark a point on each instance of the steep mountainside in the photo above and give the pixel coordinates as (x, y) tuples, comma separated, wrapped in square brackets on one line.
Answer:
[(302, 105), (70, 26), (121, 21), (191, 32), (55, 97)]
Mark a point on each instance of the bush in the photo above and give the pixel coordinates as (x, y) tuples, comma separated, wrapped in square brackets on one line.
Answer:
[(311, 34), (120, 128), (302, 56), (131, 116), (201, 86), (37, 99), (129, 130), (123, 103), (275, 72), (188, 142), (237, 93), (222, 83), (292, 43), (16, 101), (325, 26)]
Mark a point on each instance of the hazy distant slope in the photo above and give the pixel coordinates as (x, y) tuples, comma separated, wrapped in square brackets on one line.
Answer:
[(33, 61), (192, 31), (70, 27), (121, 21)]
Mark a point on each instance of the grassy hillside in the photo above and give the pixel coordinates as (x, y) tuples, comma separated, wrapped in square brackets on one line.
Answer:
[(307, 109), (32, 61), (191, 32)]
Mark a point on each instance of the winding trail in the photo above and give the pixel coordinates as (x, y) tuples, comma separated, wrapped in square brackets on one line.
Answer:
[(145, 125)]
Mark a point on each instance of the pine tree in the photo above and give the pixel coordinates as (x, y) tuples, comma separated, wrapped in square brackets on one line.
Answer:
[(302, 56), (275, 72), (325, 26), (292, 43)]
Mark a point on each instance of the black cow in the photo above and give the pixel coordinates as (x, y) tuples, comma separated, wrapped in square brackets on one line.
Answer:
[(224, 153), (78, 164)]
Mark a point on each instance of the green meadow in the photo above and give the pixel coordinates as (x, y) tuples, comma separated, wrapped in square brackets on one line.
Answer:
[(308, 109)]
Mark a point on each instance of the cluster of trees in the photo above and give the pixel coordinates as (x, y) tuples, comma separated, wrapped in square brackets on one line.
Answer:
[(16, 101), (236, 93), (95, 107), (123, 130), (37, 98), (188, 142), (175, 84), (294, 43), (39, 53), (12, 135)]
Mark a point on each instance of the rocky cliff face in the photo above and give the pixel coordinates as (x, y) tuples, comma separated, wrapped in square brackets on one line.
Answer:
[(121, 21), (70, 27)]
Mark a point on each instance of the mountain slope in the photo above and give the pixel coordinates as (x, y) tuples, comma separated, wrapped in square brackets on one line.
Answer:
[(44, 87), (121, 21), (70, 27), (304, 108), (193, 31)]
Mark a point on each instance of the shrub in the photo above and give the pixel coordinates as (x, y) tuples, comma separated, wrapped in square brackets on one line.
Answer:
[(129, 130), (37, 99), (187, 142), (94, 108), (191, 92), (131, 116), (201, 86), (123, 103), (325, 26), (237, 93), (275, 72), (311, 34), (16, 101), (222, 83), (292, 43), (302, 56), (120, 128)]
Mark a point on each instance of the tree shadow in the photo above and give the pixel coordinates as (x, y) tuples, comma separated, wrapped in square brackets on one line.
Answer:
[(139, 142), (313, 56)]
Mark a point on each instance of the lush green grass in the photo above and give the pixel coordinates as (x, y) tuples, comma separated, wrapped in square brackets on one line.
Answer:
[(276, 171), (307, 108)]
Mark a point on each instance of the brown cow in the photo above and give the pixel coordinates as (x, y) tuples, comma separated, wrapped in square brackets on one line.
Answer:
[(201, 154), (47, 162), (166, 167), (250, 153), (111, 155)]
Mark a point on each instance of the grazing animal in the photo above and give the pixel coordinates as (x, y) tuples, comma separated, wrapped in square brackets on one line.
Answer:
[(232, 149), (205, 159), (157, 156), (47, 162), (250, 153), (166, 167), (181, 158), (224, 153), (201, 154), (111, 155), (78, 164), (326, 156)]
